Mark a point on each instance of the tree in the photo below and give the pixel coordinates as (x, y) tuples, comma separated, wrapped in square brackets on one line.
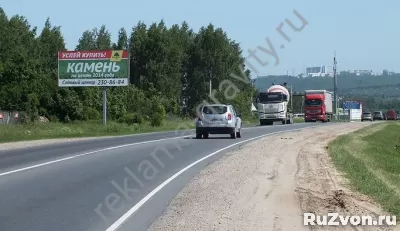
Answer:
[(123, 42), (170, 71)]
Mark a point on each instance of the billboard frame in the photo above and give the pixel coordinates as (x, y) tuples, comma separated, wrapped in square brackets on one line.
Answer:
[(93, 68), (108, 58)]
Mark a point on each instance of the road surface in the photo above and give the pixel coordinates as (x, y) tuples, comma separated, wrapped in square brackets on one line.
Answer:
[(106, 184), (267, 185)]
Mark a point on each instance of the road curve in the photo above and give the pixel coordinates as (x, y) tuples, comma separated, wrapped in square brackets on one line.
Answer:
[(108, 184)]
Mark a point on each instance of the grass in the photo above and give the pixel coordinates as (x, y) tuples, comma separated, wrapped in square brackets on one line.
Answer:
[(38, 131), (298, 120), (370, 160)]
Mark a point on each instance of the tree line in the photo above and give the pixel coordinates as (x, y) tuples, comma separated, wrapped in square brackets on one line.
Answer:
[(377, 92), (347, 83), (171, 68)]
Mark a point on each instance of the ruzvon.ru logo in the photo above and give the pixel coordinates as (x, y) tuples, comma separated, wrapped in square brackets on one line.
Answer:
[(334, 219)]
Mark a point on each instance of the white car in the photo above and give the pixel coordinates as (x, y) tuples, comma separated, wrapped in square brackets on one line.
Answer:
[(218, 119)]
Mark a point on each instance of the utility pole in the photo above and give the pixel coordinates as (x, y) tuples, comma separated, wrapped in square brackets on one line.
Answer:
[(211, 75), (291, 97), (335, 85), (210, 88)]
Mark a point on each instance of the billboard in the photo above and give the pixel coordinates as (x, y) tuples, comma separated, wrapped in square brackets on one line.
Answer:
[(104, 68), (351, 105)]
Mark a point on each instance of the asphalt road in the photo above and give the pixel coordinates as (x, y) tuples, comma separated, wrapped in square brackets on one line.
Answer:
[(94, 185)]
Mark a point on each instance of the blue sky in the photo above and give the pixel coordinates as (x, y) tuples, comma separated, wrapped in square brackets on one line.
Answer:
[(365, 34)]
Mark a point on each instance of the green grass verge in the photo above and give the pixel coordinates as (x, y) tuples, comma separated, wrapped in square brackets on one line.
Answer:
[(298, 120), (370, 160), (38, 131)]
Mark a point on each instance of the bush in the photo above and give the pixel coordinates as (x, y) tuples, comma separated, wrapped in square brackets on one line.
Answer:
[(24, 118), (53, 118), (156, 120), (132, 118), (158, 113), (90, 114)]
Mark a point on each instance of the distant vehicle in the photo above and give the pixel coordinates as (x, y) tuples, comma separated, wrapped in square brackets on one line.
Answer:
[(378, 115), (318, 105), (384, 116), (218, 119), (367, 116), (273, 105), (391, 115)]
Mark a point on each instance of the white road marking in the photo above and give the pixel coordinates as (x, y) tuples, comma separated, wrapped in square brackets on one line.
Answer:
[(87, 153), (128, 214), (101, 150)]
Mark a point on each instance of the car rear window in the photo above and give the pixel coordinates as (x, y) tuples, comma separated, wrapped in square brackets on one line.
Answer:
[(366, 113), (215, 109)]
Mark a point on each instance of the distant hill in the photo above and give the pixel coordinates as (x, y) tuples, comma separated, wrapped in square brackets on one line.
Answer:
[(385, 86)]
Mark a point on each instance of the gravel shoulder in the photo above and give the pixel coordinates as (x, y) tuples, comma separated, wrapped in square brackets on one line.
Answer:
[(267, 185)]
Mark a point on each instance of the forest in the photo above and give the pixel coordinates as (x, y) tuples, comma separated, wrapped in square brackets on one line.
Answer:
[(170, 71), (380, 92)]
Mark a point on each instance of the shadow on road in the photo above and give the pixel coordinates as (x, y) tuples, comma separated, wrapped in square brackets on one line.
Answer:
[(209, 138)]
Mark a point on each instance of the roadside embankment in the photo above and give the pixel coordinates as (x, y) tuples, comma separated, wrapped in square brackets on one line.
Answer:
[(370, 160), (267, 185)]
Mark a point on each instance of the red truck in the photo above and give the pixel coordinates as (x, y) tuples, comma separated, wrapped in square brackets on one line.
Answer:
[(317, 106)]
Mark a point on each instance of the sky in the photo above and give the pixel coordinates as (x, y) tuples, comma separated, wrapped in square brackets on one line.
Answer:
[(364, 34)]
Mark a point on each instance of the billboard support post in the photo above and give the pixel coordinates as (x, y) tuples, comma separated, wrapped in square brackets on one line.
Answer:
[(94, 68), (105, 105)]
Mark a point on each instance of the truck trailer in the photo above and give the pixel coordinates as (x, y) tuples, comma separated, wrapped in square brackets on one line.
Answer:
[(318, 106)]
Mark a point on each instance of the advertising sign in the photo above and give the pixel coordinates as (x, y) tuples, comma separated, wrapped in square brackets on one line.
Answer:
[(351, 105), (104, 68)]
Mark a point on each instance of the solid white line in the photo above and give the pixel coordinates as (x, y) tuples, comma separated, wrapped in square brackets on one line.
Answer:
[(85, 154), (100, 150), (126, 216)]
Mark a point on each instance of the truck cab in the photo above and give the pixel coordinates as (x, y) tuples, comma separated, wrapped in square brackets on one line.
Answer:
[(273, 106), (317, 106)]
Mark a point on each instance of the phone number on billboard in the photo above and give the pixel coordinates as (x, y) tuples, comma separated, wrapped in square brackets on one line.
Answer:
[(108, 82)]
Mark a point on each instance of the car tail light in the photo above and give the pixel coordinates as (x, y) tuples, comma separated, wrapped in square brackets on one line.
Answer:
[(229, 116), (200, 117)]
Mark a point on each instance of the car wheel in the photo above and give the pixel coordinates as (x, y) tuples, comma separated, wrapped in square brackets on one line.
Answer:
[(205, 135), (239, 133), (198, 136), (233, 135)]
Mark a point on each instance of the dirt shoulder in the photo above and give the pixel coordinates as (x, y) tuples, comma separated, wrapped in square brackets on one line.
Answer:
[(267, 185)]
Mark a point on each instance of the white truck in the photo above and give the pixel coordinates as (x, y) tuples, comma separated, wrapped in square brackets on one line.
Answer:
[(273, 105)]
